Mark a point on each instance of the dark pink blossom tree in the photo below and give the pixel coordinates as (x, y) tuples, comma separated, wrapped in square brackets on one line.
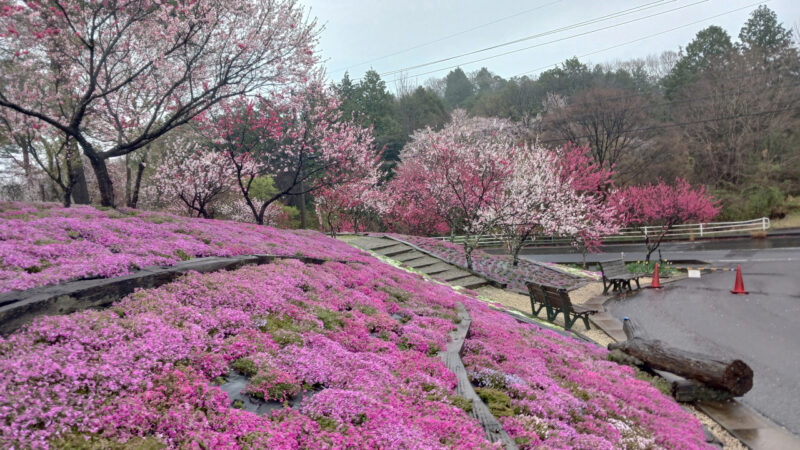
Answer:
[(659, 207), (116, 75), (296, 136), (408, 205)]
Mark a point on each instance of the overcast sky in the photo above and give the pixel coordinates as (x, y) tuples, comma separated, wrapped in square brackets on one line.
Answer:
[(390, 35)]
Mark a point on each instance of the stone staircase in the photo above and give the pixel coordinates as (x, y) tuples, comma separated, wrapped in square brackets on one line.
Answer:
[(429, 265)]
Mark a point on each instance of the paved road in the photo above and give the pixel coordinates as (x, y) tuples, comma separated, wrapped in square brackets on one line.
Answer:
[(762, 329), (717, 252)]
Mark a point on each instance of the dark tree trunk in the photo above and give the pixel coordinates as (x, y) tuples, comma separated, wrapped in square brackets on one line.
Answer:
[(80, 191), (137, 185), (732, 376), (303, 220), (104, 183)]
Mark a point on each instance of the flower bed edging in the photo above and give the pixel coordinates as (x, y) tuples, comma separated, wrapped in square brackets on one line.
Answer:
[(452, 359), (20, 307)]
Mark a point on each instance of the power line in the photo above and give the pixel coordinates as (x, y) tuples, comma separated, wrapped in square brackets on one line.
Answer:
[(681, 124), (650, 36), (553, 31), (449, 36), (596, 51)]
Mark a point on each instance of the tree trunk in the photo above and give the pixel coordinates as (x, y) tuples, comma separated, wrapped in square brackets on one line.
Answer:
[(468, 254), (80, 191), (302, 205), (104, 182), (137, 185), (733, 376), (128, 181)]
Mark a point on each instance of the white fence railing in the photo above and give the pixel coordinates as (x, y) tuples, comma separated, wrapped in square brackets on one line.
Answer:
[(633, 235)]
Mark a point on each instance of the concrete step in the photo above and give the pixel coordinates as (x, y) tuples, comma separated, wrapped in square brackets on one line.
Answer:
[(452, 275), (470, 282), (423, 262), (410, 256), (373, 243), (435, 269), (393, 250)]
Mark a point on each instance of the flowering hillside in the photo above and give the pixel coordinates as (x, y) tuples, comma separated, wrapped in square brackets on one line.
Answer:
[(43, 243), (343, 355), (495, 267)]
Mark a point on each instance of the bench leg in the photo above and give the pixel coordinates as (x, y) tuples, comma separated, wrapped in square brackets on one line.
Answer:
[(567, 322), (637, 284), (606, 285), (586, 322)]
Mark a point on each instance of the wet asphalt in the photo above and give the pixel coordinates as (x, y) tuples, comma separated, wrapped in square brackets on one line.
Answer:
[(762, 328)]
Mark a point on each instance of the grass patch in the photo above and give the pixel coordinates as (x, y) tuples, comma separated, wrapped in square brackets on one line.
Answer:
[(499, 402), (665, 269)]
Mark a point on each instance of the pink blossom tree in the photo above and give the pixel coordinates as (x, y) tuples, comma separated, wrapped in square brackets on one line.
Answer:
[(659, 207), (192, 177), (537, 199), (408, 205), (462, 169), (296, 136), (350, 206), (590, 179), (116, 75)]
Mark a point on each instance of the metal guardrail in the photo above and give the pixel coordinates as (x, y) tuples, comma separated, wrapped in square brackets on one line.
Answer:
[(634, 235)]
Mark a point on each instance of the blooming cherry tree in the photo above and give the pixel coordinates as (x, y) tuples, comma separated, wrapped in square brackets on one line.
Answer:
[(193, 178), (116, 75), (462, 169), (661, 206), (299, 138), (350, 205), (537, 199), (408, 206)]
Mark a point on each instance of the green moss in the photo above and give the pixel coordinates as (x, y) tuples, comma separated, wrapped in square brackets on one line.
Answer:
[(285, 337), (218, 381), (395, 294), (274, 322), (326, 423), (182, 255), (433, 350), (245, 366), (73, 234), (499, 402), (657, 382), (461, 402), (96, 442), (367, 310), (330, 319), (237, 404)]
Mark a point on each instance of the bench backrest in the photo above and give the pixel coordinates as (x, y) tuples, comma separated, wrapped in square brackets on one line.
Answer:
[(558, 298), (536, 293), (613, 267)]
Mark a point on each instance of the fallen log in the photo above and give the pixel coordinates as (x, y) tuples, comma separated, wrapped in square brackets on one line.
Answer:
[(734, 376)]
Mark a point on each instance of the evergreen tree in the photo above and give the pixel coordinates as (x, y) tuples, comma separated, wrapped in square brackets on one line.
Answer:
[(458, 88)]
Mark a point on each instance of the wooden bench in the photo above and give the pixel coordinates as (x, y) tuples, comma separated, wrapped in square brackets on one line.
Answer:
[(558, 299), (554, 301), (616, 275), (538, 299)]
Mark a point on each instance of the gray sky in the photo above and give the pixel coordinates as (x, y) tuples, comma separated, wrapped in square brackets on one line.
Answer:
[(360, 34)]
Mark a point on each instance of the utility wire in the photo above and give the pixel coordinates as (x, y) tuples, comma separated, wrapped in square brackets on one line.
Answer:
[(593, 52), (449, 36), (649, 36), (555, 31)]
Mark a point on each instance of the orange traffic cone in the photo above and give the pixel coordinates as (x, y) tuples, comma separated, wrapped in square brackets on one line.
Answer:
[(655, 284), (738, 287)]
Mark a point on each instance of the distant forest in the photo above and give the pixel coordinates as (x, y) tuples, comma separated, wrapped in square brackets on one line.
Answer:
[(719, 112)]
